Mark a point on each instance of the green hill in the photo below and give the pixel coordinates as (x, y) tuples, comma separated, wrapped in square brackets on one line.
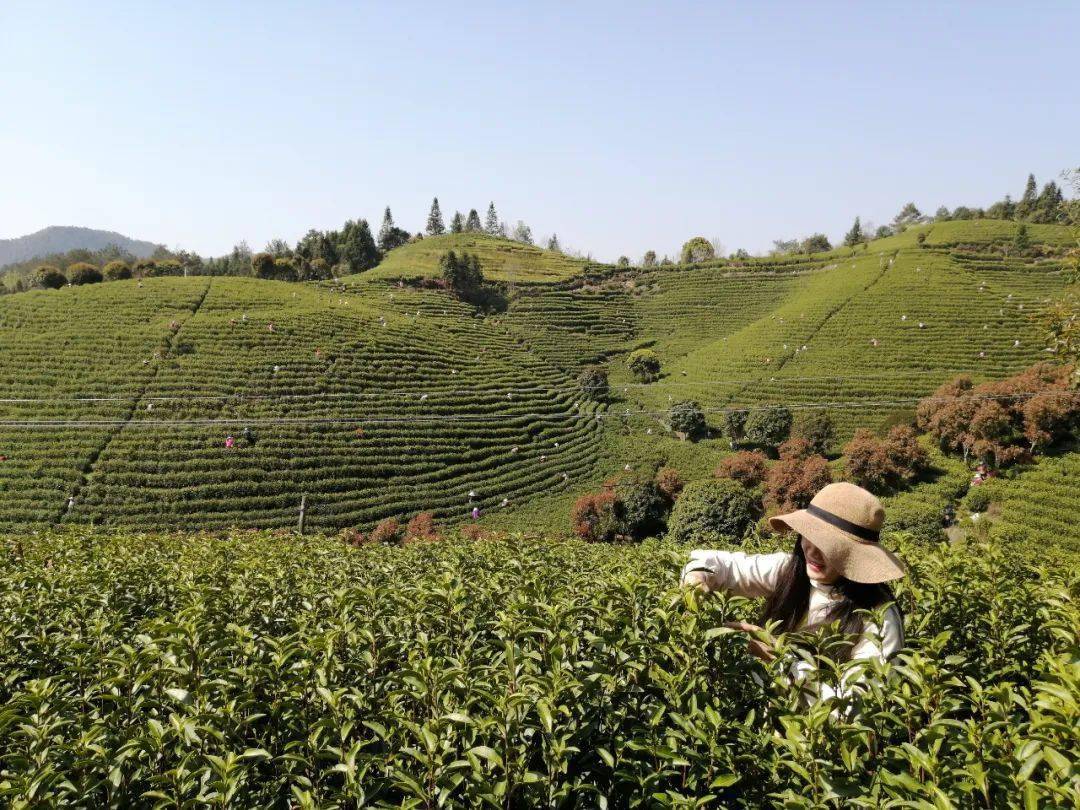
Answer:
[(118, 398), (502, 259)]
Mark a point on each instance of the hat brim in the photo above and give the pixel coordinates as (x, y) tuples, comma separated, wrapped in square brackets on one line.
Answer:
[(859, 560)]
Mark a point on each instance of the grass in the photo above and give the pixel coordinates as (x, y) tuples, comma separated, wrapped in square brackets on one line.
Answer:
[(501, 259)]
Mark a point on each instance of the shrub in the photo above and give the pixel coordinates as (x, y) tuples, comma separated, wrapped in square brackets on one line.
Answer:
[(355, 538), (817, 428), (144, 268), (748, 467), (688, 419), (83, 273), (593, 383), (977, 499), (735, 426), (644, 365), (262, 265), (49, 278), (595, 517), (387, 532), (641, 508), (669, 482), (421, 527), (116, 271), (795, 478), (768, 428), (712, 512), (920, 520), (164, 267), (880, 465)]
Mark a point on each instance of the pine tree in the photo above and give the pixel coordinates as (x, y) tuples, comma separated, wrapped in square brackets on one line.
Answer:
[(492, 224), (387, 227), (1026, 207), (357, 247), (1022, 241), (1048, 206), (553, 243), (434, 219), (457, 224), (855, 235), (472, 222)]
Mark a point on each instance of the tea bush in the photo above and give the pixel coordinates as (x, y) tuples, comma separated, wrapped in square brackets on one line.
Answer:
[(260, 669)]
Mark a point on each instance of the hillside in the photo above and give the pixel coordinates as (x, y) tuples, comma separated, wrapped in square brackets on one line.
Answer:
[(502, 259), (120, 396), (62, 238)]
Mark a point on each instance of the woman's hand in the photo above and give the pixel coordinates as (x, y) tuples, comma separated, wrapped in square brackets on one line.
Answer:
[(697, 579), (758, 648)]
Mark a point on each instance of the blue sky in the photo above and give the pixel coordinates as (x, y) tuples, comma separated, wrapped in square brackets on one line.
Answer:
[(620, 126)]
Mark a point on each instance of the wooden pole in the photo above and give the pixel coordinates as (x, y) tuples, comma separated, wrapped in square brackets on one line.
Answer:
[(303, 509)]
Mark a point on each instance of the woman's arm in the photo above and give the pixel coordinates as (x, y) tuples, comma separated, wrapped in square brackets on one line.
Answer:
[(749, 575)]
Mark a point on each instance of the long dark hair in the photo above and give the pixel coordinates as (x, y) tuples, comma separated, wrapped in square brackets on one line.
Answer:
[(790, 600)]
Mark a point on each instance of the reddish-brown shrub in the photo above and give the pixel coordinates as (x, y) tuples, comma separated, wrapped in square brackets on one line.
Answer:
[(595, 517), (422, 527), (795, 478), (994, 420), (388, 531), (355, 537), (747, 467), (883, 464), (473, 531), (669, 482)]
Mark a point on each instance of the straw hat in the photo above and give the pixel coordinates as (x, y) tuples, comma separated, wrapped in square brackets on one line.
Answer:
[(844, 521)]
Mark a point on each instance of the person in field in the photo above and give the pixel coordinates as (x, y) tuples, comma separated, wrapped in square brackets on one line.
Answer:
[(837, 571)]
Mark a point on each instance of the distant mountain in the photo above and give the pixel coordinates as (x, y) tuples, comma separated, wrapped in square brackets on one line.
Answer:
[(62, 238)]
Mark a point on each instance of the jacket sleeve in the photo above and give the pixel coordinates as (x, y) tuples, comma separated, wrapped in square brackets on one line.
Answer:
[(749, 575), (876, 642)]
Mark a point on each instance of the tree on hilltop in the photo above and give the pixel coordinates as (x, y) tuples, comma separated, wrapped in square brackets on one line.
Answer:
[(434, 220), (909, 215), (356, 246), (1026, 207), (492, 223), (697, 249), (391, 236), (472, 222), (523, 233), (649, 259), (553, 243), (1048, 207), (855, 235), (457, 224), (815, 243)]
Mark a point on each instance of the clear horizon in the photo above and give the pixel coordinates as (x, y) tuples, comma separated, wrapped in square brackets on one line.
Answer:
[(620, 127)]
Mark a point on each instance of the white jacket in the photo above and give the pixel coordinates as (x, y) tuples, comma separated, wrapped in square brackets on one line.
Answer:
[(756, 575)]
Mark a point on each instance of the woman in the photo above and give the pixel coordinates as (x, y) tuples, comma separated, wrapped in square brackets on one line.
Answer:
[(836, 570)]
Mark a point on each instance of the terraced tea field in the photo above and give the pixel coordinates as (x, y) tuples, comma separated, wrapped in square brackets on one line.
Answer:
[(370, 412), (378, 397)]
